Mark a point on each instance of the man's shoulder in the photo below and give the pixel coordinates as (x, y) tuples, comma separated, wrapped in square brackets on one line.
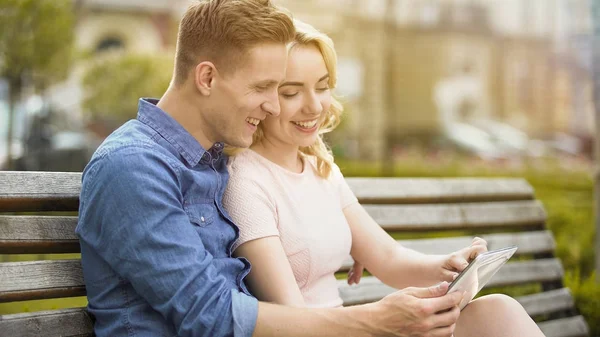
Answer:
[(130, 146)]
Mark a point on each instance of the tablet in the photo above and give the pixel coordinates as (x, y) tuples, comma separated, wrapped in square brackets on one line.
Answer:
[(479, 272)]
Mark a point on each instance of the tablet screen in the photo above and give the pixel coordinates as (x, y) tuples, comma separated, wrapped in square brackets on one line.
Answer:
[(479, 272)]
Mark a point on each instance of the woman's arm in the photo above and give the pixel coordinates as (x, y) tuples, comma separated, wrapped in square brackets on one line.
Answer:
[(271, 278), (393, 264)]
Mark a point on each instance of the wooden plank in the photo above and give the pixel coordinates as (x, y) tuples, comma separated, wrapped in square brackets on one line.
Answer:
[(66, 322), (39, 191), (565, 327), (547, 302), (32, 191), (55, 234), (438, 190), (76, 322), (537, 242), (20, 281), (38, 234), (508, 214), (371, 289)]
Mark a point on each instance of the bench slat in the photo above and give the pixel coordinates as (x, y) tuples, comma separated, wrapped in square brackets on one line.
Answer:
[(458, 216), (39, 191), (371, 289), (446, 190), (21, 281), (45, 191), (66, 322), (38, 234), (76, 322), (56, 234), (63, 278), (565, 327), (537, 242), (547, 302)]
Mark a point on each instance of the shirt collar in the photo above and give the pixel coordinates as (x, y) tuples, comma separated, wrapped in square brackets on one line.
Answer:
[(187, 146)]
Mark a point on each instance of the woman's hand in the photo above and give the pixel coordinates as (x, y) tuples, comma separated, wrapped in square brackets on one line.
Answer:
[(355, 273), (453, 264)]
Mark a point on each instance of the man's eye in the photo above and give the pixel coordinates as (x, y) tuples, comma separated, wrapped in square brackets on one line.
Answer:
[(289, 95), (262, 88)]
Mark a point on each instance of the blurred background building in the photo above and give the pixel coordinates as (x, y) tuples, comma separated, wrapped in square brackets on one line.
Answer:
[(490, 78)]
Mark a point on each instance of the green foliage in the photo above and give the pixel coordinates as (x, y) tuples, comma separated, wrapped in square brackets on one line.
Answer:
[(36, 40), (587, 297), (113, 85)]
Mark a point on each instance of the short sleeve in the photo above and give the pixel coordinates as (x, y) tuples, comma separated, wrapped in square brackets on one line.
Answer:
[(346, 195), (250, 208)]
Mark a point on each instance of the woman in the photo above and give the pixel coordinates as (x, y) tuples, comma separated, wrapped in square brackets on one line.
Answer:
[(299, 220)]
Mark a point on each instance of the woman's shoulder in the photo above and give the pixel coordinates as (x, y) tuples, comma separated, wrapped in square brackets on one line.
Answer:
[(312, 162), (247, 165)]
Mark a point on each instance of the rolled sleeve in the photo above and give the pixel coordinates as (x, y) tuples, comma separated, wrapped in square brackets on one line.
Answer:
[(245, 314), (132, 216)]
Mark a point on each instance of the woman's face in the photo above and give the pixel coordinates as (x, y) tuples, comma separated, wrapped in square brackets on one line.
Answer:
[(304, 97)]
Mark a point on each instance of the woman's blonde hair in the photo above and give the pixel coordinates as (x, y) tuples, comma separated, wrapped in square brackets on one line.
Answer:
[(307, 35)]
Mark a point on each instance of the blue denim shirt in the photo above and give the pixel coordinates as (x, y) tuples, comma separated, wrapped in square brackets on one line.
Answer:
[(155, 238)]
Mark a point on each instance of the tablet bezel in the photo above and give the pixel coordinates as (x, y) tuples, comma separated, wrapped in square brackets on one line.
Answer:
[(481, 260)]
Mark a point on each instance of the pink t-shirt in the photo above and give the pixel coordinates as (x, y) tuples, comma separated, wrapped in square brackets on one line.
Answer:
[(304, 210)]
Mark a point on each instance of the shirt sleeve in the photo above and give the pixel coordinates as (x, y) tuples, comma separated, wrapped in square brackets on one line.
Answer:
[(250, 208), (131, 214), (346, 195)]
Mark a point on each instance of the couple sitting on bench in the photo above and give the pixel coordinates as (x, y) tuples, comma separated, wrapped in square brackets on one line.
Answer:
[(170, 226)]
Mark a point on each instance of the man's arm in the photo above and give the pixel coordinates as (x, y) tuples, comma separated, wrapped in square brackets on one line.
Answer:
[(132, 216), (410, 312)]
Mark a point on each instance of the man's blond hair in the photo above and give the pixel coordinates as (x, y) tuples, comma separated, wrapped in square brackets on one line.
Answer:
[(222, 31)]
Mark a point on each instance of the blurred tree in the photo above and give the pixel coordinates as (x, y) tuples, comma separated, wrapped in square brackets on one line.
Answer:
[(114, 84), (596, 79), (36, 44)]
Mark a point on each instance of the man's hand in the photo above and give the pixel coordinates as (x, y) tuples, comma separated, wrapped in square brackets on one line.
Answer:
[(416, 312), (454, 263)]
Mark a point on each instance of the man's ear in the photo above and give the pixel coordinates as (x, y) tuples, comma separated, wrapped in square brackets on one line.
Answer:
[(204, 75)]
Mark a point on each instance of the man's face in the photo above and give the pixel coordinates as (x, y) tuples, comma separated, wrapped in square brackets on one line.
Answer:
[(245, 97)]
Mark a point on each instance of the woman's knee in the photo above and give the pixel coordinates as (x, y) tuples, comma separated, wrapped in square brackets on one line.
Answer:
[(498, 302)]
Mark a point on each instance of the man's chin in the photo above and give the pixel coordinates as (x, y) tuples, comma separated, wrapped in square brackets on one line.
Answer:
[(241, 143)]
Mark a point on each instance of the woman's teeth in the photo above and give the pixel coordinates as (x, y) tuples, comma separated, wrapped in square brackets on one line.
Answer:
[(253, 121), (306, 125)]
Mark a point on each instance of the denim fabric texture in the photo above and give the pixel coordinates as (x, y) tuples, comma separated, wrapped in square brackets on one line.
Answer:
[(155, 238)]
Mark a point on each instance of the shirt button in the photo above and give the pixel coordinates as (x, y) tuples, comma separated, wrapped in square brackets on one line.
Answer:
[(202, 218)]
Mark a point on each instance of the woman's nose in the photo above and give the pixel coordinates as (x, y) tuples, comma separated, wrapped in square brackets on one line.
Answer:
[(314, 105)]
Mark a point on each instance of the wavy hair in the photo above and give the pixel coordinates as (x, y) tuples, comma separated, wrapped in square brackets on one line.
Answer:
[(307, 35)]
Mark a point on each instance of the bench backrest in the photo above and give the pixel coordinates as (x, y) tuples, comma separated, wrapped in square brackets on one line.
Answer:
[(503, 211)]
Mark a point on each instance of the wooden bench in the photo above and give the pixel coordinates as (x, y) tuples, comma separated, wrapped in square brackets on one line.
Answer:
[(503, 211)]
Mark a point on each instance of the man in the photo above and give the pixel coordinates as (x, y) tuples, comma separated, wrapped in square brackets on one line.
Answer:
[(155, 239)]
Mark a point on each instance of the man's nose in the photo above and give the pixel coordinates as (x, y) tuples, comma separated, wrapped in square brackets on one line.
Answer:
[(271, 106)]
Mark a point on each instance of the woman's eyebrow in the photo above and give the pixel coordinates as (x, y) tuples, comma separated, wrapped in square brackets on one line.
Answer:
[(322, 78), (299, 84)]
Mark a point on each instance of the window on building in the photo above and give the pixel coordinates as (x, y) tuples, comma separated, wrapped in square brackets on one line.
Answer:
[(109, 44)]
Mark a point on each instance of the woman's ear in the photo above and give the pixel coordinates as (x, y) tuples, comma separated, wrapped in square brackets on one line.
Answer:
[(204, 75)]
